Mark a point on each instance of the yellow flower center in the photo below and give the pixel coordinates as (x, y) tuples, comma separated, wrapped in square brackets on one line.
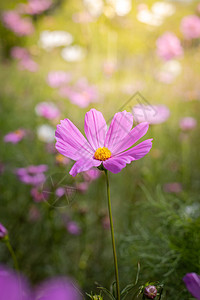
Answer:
[(102, 153)]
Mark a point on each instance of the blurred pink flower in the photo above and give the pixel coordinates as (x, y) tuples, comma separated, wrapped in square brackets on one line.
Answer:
[(81, 94), (91, 174), (13, 286), (33, 175), (36, 7), (20, 26), (187, 123), (153, 114), (190, 27), (56, 79), (106, 222), (82, 187), (173, 187), (60, 191), (73, 228), (3, 231), (19, 53), (15, 136), (38, 194), (169, 46), (28, 64), (107, 147), (47, 110)]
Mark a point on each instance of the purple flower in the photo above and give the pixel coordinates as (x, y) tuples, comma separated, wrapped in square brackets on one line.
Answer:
[(187, 123), (169, 46), (190, 27), (14, 22), (14, 287), (56, 79), (73, 228), (192, 282), (81, 94), (47, 110), (15, 136), (91, 175), (39, 195), (153, 114), (3, 231), (104, 146), (33, 175)]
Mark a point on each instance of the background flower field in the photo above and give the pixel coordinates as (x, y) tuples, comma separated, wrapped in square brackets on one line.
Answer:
[(74, 56)]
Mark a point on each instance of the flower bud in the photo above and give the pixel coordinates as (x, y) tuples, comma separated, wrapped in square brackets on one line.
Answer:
[(150, 292), (3, 231)]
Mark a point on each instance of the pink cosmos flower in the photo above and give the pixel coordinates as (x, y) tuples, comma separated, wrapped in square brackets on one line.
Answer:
[(153, 114), (39, 195), (187, 123), (173, 187), (33, 175), (104, 146), (20, 26), (15, 136), (169, 46), (91, 175), (190, 27), (56, 79), (81, 94), (47, 110)]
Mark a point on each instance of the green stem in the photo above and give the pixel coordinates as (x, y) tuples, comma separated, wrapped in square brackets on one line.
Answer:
[(7, 242), (112, 236)]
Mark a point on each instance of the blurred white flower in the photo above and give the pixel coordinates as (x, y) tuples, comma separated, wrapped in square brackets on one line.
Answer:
[(73, 53), (46, 133), (163, 9), (51, 39), (94, 7), (147, 17), (121, 7)]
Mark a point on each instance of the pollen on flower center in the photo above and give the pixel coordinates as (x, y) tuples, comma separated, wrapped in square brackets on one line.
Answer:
[(102, 153)]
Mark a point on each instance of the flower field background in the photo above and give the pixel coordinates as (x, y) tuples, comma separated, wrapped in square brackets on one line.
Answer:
[(58, 60)]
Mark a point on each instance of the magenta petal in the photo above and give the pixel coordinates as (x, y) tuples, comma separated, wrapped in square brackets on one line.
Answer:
[(13, 286), (114, 164), (136, 152), (118, 162), (95, 128), (120, 126), (192, 282), (70, 142), (84, 164), (132, 137)]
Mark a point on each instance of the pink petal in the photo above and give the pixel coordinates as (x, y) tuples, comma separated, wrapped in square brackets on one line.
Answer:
[(84, 164), (95, 128), (118, 162), (120, 126), (132, 137), (70, 142)]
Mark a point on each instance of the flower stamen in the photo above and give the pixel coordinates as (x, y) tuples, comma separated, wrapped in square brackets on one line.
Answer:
[(102, 153)]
